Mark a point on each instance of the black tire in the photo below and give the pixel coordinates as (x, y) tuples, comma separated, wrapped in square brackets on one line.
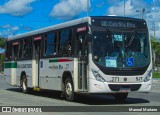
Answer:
[(24, 85), (120, 97), (69, 90)]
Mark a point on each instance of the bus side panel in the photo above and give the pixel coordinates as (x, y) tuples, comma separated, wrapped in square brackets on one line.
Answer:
[(26, 67), (75, 75), (7, 75), (51, 72), (10, 72), (34, 73)]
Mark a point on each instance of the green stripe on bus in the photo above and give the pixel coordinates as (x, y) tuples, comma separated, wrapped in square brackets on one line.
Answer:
[(53, 61), (59, 60), (10, 65)]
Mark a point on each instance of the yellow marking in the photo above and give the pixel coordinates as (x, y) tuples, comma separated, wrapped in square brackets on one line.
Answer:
[(36, 89)]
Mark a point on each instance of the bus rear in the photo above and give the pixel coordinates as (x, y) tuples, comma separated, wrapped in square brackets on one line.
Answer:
[(120, 56)]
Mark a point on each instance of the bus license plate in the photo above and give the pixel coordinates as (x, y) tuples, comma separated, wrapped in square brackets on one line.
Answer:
[(125, 90)]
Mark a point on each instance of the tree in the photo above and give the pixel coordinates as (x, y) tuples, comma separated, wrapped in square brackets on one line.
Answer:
[(2, 42), (2, 57), (156, 47)]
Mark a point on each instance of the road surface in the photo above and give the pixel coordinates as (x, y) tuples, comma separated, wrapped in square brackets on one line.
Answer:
[(12, 96)]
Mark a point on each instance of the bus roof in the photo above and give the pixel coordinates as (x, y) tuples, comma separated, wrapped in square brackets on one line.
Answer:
[(50, 28), (64, 25)]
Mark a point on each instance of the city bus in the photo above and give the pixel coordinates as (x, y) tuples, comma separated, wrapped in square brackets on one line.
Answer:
[(91, 55)]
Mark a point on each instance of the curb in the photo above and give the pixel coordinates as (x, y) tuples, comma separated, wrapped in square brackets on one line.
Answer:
[(156, 79)]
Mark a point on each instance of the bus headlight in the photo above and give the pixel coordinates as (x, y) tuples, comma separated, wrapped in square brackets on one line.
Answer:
[(148, 77), (98, 76)]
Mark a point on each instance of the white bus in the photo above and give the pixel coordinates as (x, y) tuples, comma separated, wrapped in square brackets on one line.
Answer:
[(91, 55)]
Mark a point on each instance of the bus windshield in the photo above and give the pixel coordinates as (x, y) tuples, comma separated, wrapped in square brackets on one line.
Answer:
[(113, 48)]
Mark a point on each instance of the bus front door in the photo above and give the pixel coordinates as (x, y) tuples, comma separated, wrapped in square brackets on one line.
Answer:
[(37, 54), (82, 65)]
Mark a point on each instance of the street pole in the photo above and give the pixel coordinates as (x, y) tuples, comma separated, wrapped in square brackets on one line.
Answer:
[(87, 7), (143, 10), (124, 7), (154, 30)]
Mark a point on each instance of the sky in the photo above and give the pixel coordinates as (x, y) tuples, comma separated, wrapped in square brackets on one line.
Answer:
[(21, 16)]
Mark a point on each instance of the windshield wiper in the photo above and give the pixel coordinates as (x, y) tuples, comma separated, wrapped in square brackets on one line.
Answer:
[(131, 40)]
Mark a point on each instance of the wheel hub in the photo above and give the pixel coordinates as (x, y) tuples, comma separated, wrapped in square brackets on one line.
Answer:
[(24, 86), (68, 88)]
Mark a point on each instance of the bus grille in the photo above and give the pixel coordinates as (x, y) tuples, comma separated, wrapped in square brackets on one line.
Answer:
[(117, 87)]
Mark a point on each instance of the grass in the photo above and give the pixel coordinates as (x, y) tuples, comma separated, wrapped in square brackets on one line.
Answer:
[(156, 74)]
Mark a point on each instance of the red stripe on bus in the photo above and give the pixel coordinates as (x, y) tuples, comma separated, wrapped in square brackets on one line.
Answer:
[(64, 60)]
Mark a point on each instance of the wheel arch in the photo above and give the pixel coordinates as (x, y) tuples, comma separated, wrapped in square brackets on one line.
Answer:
[(66, 74)]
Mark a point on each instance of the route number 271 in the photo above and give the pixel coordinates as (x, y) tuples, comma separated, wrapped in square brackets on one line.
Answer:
[(115, 79)]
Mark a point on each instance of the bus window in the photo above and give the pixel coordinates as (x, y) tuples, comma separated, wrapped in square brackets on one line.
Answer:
[(27, 52), (20, 50), (81, 44), (9, 52), (50, 48), (66, 43), (15, 50)]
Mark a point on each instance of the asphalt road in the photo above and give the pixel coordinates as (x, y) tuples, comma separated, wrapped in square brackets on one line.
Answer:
[(12, 96)]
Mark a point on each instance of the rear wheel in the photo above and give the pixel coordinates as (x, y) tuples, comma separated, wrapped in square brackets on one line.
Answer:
[(69, 91), (24, 85), (121, 97)]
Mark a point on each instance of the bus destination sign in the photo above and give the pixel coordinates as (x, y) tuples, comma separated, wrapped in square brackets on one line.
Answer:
[(118, 24)]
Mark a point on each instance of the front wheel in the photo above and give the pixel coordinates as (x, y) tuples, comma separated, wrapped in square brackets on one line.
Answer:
[(69, 91), (121, 97)]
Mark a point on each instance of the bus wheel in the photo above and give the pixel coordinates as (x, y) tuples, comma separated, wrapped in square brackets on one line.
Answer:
[(69, 92), (24, 85), (120, 97)]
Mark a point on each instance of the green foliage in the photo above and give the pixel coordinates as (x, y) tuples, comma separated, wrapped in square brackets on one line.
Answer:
[(156, 48), (156, 75), (2, 57), (2, 42)]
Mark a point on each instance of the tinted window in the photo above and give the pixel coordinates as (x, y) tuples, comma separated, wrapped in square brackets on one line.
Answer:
[(65, 43), (8, 51), (27, 53), (50, 48), (15, 51), (21, 49)]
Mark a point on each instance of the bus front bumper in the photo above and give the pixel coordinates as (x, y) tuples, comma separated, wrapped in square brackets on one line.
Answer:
[(110, 87)]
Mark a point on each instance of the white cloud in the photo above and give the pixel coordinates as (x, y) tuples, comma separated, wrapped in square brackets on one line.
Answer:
[(16, 7), (67, 9), (118, 9), (9, 30), (154, 16), (15, 28), (157, 30), (6, 26), (130, 11)]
